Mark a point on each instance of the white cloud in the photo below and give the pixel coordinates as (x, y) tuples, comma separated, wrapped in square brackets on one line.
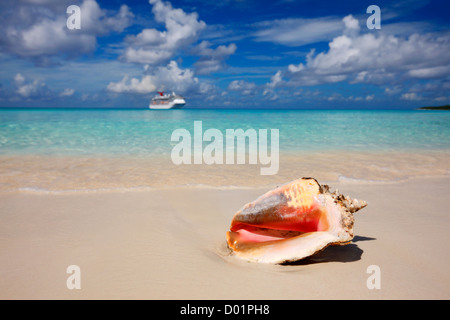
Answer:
[(19, 79), (153, 47), (275, 80), (212, 60), (67, 92), (30, 89), (392, 90), (181, 31), (442, 98), (50, 37), (375, 58), (145, 85), (167, 78), (335, 96), (96, 21), (37, 29), (243, 86), (351, 25), (410, 96), (430, 73)]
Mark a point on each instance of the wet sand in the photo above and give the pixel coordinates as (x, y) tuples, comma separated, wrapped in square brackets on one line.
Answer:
[(169, 243), (61, 174)]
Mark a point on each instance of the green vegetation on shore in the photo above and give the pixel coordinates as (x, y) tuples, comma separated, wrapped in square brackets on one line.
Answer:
[(447, 107)]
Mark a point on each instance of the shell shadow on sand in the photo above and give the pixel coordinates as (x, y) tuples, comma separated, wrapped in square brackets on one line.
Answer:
[(348, 253)]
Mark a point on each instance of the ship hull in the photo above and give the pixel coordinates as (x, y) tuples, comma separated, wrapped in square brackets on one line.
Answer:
[(176, 104)]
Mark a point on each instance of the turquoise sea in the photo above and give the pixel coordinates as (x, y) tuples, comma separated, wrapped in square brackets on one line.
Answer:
[(98, 150), (148, 132)]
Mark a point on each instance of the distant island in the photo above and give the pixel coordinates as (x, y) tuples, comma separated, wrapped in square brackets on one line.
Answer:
[(447, 107)]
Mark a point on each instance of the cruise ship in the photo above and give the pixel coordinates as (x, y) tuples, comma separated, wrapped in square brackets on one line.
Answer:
[(167, 101)]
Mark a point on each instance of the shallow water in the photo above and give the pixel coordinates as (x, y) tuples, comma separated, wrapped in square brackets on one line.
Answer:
[(146, 132), (101, 150)]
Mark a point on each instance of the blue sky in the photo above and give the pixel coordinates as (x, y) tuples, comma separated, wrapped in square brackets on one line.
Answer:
[(225, 54)]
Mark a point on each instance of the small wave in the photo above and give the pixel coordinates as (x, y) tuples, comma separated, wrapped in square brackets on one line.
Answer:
[(77, 191), (208, 186), (352, 180), (37, 190)]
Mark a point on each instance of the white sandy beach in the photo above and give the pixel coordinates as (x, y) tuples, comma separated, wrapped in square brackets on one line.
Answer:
[(170, 244)]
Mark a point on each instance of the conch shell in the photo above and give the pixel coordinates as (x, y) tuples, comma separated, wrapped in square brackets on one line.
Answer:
[(292, 222)]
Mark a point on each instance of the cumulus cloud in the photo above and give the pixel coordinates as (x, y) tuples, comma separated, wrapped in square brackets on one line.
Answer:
[(212, 60), (30, 89), (27, 88), (243, 86), (170, 77), (375, 58), (351, 25), (182, 30), (38, 30), (97, 22), (145, 85), (275, 80), (411, 96), (67, 92), (154, 47)]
